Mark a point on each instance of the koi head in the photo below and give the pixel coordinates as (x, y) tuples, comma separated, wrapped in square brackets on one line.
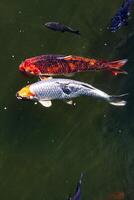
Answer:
[(29, 69), (25, 93)]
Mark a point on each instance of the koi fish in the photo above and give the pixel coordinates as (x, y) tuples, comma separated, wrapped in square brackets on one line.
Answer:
[(122, 15), (56, 26), (50, 65), (64, 89), (77, 194)]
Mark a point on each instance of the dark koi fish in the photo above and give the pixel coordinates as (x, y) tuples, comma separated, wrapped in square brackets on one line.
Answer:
[(77, 194), (56, 26), (50, 65), (122, 15)]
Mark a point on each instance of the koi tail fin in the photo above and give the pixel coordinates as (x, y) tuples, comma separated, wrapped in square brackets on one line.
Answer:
[(117, 101), (115, 66)]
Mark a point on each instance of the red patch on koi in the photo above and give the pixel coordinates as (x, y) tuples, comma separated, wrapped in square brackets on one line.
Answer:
[(54, 65), (28, 68)]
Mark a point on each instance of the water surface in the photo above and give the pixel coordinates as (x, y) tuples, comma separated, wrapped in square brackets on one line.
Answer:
[(43, 151)]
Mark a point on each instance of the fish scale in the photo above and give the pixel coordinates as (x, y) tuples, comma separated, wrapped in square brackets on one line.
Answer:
[(46, 90), (57, 89)]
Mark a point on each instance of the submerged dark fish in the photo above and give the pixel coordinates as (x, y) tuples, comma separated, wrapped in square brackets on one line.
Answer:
[(121, 16), (77, 194), (56, 26)]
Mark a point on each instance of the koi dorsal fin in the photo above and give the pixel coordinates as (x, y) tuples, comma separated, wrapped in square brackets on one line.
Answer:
[(80, 59), (70, 57)]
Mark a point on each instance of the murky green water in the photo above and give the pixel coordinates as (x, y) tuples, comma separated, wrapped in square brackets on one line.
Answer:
[(43, 151)]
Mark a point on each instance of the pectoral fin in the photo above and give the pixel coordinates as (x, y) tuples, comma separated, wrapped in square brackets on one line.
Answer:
[(44, 78), (46, 104), (69, 75), (70, 102)]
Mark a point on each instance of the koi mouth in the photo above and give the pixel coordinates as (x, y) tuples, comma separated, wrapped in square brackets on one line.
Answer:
[(20, 98), (25, 98)]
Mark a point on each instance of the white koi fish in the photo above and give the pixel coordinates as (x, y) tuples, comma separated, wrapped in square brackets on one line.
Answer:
[(64, 89)]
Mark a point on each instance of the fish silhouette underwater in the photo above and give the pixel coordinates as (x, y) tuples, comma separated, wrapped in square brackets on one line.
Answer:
[(77, 193), (56, 26), (122, 16)]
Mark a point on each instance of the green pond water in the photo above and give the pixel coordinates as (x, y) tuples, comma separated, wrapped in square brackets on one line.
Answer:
[(43, 151)]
